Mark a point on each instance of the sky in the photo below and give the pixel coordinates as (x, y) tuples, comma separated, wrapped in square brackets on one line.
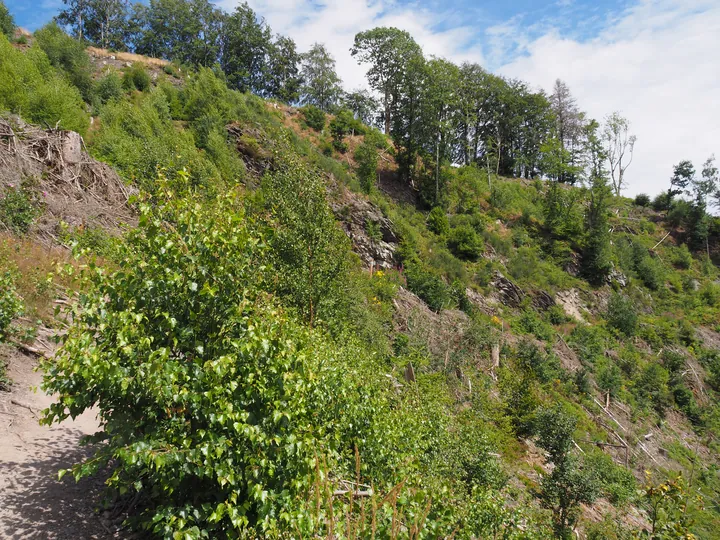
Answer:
[(657, 62)]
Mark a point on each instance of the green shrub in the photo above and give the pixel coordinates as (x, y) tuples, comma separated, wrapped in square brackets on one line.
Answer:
[(18, 208), (437, 221), (139, 138), (617, 483), (29, 86), (662, 202), (590, 343), (136, 78), (530, 323), (7, 24), (366, 158), (651, 272), (216, 405), (652, 386), (609, 377), (682, 258), (68, 55), (109, 87), (621, 314), (429, 286), (11, 306), (314, 117), (465, 243), (642, 199)]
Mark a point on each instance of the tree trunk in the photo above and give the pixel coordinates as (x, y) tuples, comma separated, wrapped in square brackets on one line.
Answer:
[(387, 112)]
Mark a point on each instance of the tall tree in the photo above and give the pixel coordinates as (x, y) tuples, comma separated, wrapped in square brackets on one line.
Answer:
[(619, 147), (568, 124), (184, 30), (362, 104), (321, 82), (7, 23), (74, 16), (247, 42), (597, 251), (389, 52), (440, 107), (284, 80)]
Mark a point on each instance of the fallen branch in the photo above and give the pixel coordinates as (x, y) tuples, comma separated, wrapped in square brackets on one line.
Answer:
[(661, 241), (33, 410), (28, 349)]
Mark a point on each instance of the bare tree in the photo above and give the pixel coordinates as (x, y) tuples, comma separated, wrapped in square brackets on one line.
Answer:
[(619, 147)]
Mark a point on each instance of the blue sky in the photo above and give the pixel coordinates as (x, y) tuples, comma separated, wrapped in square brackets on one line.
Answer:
[(655, 61)]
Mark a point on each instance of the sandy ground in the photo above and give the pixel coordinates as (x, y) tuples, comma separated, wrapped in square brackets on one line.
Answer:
[(34, 504)]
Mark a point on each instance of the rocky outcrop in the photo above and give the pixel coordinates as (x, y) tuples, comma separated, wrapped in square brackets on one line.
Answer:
[(510, 294), (371, 233)]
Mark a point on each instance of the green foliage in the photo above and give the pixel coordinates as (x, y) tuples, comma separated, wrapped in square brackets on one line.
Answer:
[(7, 23), (651, 272), (563, 219), (139, 138), (621, 314), (310, 254), (667, 507), (682, 258), (366, 158), (203, 402), (109, 87), (437, 221), (136, 78), (597, 254), (571, 482), (609, 378), (18, 208), (314, 117), (31, 87), (642, 199), (465, 243), (616, 483), (68, 56), (428, 285), (652, 386), (529, 322), (520, 399), (11, 306)]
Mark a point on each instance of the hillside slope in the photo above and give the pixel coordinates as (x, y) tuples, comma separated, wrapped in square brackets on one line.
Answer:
[(460, 332)]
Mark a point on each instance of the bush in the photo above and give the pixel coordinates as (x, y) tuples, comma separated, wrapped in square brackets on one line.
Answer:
[(621, 314), (465, 243), (11, 306), (617, 483), (18, 209), (136, 78), (651, 272), (30, 86), (429, 286), (642, 199), (366, 158), (109, 87), (7, 24), (682, 258), (662, 202), (314, 117), (217, 406), (437, 221), (69, 56)]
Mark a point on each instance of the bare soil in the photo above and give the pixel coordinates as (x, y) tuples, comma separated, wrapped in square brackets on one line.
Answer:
[(34, 504)]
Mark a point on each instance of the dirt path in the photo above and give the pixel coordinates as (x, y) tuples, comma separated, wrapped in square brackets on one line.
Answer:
[(33, 503)]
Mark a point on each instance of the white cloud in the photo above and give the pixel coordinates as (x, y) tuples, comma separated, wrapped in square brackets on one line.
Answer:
[(656, 62)]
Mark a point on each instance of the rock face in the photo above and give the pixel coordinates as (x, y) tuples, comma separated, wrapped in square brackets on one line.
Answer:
[(371, 233), (616, 276), (510, 294)]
